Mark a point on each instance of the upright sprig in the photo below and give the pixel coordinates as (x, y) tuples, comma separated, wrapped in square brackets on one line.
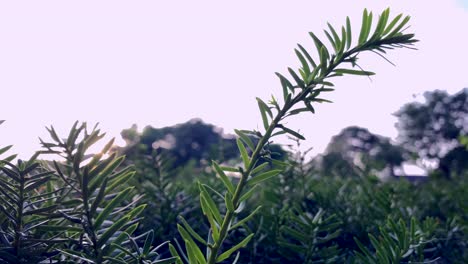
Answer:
[(24, 210), (299, 95), (99, 212), (25, 206)]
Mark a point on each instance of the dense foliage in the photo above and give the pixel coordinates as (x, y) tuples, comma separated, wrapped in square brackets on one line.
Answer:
[(307, 217), (75, 209)]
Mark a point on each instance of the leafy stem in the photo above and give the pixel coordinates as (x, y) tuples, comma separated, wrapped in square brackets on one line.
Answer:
[(310, 81), (264, 140), (242, 182)]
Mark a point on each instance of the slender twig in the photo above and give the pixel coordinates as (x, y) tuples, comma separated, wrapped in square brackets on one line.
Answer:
[(325, 69)]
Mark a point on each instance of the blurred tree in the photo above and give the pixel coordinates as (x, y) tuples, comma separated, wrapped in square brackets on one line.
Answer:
[(432, 128), (131, 135), (356, 149), (192, 141), (454, 163), (335, 164)]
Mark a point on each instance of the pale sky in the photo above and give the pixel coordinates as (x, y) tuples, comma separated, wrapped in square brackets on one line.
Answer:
[(161, 63)]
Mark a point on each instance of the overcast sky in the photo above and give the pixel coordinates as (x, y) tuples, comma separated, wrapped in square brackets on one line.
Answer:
[(164, 62)]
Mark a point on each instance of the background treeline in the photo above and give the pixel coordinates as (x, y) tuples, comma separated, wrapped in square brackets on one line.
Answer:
[(430, 132), (334, 207)]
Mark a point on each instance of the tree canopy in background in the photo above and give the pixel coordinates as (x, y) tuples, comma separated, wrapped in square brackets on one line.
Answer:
[(192, 141), (432, 129), (427, 130), (360, 148)]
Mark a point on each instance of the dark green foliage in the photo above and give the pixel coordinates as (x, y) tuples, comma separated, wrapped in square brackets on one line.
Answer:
[(334, 164), (97, 201), (304, 217), (97, 206), (357, 208), (166, 195), (76, 210), (454, 163), (398, 242), (310, 237), (26, 205)]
